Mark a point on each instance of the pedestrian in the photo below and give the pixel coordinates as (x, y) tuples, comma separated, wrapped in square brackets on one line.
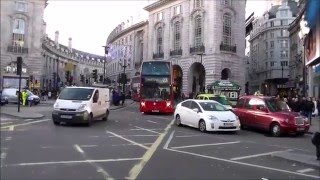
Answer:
[(316, 141), (309, 108), (123, 98), (318, 106), (29, 99), (24, 97)]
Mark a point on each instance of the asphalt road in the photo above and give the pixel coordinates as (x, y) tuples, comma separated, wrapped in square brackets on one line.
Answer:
[(131, 145)]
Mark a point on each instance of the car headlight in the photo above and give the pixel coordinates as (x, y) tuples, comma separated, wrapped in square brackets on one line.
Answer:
[(237, 118), (143, 104), (82, 107), (56, 106), (168, 103), (213, 118)]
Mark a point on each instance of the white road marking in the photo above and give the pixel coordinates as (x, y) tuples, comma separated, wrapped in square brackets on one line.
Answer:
[(152, 122), (138, 135), (133, 142), (4, 148), (29, 120), (5, 123), (99, 168), (233, 162), (22, 124), (257, 155), (8, 138), (94, 136), (199, 145), (147, 130), (188, 136), (3, 156), (11, 128), (135, 129), (78, 148), (74, 162), (136, 169), (305, 170), (46, 147), (85, 146), (159, 117)]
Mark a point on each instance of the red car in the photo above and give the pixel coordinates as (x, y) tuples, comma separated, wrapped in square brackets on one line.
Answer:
[(270, 114)]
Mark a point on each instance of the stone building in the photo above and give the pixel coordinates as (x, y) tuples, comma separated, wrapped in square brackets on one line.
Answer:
[(270, 49), (203, 39)]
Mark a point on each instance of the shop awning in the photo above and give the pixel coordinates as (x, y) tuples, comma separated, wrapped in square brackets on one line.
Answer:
[(224, 85)]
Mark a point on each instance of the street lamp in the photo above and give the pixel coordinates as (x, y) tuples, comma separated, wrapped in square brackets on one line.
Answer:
[(106, 51)]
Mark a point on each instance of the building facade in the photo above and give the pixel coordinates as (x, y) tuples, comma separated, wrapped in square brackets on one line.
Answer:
[(203, 39), (270, 50), (127, 49), (22, 28)]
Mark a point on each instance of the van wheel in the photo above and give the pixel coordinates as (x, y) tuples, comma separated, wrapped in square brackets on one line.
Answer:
[(105, 118), (90, 119)]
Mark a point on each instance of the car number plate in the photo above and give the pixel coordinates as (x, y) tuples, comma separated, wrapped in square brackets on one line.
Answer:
[(66, 116), (300, 129), (155, 110), (228, 124)]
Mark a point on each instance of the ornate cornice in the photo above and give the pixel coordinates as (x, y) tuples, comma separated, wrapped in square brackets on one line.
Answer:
[(197, 11), (157, 4), (111, 38)]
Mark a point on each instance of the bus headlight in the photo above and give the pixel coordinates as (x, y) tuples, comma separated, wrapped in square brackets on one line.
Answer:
[(143, 104)]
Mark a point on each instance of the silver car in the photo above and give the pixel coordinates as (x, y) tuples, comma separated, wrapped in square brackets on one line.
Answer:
[(11, 95)]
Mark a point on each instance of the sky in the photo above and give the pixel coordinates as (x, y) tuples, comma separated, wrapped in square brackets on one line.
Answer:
[(89, 23)]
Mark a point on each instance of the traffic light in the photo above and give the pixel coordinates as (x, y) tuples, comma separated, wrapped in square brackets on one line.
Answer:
[(100, 78), (87, 81), (81, 78), (95, 74), (19, 65)]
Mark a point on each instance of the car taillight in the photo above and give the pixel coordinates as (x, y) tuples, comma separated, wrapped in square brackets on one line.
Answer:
[(143, 103)]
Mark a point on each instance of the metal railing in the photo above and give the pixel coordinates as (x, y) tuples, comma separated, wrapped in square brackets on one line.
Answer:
[(197, 49), (226, 47), (158, 55), (177, 52), (17, 49)]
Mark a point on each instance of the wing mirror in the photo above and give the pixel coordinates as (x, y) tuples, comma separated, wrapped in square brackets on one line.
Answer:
[(195, 110)]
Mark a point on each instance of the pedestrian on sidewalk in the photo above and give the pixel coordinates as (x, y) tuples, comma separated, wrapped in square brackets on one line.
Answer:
[(24, 97), (309, 108), (316, 141), (123, 98), (318, 106)]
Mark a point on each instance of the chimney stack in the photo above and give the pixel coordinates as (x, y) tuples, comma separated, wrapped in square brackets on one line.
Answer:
[(56, 38), (70, 44)]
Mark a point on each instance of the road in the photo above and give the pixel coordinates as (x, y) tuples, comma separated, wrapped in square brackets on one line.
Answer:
[(131, 145)]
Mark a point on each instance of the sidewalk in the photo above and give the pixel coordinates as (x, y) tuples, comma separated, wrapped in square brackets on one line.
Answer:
[(315, 125), (33, 112)]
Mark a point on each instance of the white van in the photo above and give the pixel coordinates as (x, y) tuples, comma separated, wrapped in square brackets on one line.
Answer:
[(81, 105)]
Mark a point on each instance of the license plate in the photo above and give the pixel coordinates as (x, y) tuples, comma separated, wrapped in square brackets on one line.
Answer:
[(66, 117), (155, 110), (228, 124), (300, 129)]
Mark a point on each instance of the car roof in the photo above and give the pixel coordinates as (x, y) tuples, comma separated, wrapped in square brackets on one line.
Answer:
[(212, 95), (81, 87), (200, 100)]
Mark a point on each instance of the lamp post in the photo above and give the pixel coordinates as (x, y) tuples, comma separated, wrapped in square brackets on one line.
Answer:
[(201, 88), (106, 51)]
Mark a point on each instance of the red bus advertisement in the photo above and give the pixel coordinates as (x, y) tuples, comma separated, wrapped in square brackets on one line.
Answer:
[(135, 88), (156, 95)]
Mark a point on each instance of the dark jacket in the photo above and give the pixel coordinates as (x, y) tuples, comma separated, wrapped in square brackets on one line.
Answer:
[(309, 106)]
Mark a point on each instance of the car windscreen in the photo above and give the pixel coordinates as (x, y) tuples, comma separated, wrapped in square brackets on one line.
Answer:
[(275, 105), (76, 94), (221, 100), (212, 106)]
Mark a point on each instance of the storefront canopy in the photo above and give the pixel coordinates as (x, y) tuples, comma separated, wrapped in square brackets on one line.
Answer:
[(224, 85)]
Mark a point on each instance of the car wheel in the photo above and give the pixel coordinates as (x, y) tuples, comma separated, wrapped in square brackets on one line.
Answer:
[(105, 118), (275, 129), (56, 123), (90, 119), (202, 126), (178, 120)]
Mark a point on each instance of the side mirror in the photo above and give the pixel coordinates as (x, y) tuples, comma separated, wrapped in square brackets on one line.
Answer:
[(195, 110)]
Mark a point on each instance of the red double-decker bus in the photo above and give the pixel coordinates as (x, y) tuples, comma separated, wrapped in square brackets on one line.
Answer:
[(135, 88), (156, 95)]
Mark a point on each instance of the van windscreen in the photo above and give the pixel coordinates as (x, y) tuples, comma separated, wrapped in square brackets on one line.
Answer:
[(76, 94)]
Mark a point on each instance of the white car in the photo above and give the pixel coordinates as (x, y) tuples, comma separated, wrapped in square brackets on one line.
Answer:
[(206, 115)]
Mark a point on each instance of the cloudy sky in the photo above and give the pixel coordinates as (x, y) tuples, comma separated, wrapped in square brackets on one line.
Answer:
[(89, 23)]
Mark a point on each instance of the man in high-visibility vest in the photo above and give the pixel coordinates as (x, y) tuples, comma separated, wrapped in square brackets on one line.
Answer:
[(24, 97)]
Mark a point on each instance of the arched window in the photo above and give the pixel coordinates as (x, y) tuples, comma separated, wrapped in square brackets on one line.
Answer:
[(18, 32), (177, 35), (198, 31), (227, 29), (159, 40)]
